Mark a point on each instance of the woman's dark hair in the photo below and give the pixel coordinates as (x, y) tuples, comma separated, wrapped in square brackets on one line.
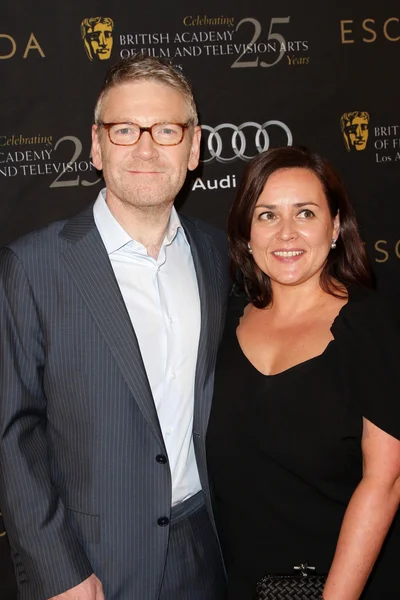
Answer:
[(347, 264)]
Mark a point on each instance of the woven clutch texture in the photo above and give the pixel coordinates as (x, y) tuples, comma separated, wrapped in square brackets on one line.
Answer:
[(296, 586)]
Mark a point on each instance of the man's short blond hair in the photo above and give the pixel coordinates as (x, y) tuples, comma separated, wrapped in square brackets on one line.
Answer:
[(141, 67)]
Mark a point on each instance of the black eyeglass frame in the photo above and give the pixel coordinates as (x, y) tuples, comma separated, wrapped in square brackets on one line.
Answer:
[(108, 126)]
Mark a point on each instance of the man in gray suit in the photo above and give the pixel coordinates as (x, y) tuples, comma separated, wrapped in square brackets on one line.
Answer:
[(110, 323)]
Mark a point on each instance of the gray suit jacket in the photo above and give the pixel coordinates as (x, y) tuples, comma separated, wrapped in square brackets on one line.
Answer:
[(81, 489)]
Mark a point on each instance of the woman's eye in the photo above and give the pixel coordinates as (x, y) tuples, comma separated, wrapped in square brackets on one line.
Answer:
[(307, 213), (267, 216)]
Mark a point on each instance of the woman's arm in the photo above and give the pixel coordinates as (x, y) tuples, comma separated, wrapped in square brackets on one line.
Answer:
[(368, 516)]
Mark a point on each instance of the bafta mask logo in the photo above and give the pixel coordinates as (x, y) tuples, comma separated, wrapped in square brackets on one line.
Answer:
[(354, 126), (97, 35)]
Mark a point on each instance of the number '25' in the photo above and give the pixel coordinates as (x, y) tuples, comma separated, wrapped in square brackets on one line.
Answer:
[(271, 36)]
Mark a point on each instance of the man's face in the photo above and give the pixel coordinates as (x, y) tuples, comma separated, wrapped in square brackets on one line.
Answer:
[(144, 175), (100, 41), (357, 133)]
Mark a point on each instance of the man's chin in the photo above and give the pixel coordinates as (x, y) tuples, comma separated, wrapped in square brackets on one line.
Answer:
[(149, 197)]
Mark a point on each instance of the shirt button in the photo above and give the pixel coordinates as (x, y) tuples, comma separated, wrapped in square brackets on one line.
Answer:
[(173, 376), (168, 431), (163, 521), (161, 458)]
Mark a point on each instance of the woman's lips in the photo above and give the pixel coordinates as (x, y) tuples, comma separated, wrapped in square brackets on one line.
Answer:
[(288, 255)]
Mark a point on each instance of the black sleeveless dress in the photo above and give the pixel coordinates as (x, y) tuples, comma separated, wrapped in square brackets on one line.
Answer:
[(284, 451)]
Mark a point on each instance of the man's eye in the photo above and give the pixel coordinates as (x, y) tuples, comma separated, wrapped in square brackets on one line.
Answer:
[(167, 131), (123, 131)]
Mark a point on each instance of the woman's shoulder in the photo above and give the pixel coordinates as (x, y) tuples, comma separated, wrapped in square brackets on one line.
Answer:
[(367, 334), (367, 312), (364, 299)]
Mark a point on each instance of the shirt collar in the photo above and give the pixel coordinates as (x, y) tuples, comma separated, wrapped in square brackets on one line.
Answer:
[(114, 235), (174, 226)]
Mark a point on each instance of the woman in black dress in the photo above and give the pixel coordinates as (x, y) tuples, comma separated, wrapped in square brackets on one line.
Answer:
[(303, 439)]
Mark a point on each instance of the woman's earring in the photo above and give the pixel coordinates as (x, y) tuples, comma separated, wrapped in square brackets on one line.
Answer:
[(249, 248), (333, 245)]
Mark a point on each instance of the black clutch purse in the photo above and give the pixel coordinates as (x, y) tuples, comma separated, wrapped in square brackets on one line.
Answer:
[(297, 586)]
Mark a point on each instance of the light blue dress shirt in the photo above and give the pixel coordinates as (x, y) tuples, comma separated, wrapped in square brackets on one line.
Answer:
[(162, 299)]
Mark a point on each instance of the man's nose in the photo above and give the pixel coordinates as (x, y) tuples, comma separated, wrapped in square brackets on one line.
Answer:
[(145, 147)]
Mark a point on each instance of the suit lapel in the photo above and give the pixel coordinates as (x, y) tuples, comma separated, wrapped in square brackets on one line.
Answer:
[(89, 266), (210, 302)]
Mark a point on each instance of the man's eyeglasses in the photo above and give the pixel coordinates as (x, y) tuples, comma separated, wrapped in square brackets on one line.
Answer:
[(127, 134)]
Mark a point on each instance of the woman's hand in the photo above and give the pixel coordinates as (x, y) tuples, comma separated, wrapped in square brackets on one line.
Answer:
[(90, 589)]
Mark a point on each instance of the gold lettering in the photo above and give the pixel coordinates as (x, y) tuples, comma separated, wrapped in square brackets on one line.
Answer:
[(373, 38), (385, 33), (13, 44), (384, 252), (33, 44), (343, 31), (185, 20), (397, 248)]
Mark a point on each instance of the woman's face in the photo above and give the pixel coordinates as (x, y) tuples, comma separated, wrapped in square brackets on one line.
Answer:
[(292, 228)]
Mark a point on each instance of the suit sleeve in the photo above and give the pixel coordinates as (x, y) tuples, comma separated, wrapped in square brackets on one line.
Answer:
[(46, 553)]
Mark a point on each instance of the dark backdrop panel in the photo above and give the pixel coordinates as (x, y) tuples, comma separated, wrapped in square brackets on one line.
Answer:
[(264, 74)]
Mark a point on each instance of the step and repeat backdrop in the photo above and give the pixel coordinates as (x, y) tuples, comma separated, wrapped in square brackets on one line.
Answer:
[(324, 75)]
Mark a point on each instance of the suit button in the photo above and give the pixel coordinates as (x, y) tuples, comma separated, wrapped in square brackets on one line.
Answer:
[(163, 521), (161, 458)]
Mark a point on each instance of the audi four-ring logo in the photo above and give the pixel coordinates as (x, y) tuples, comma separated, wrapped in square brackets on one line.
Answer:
[(239, 139)]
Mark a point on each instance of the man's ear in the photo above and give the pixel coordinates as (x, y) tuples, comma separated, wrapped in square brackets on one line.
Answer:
[(194, 156), (96, 149)]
